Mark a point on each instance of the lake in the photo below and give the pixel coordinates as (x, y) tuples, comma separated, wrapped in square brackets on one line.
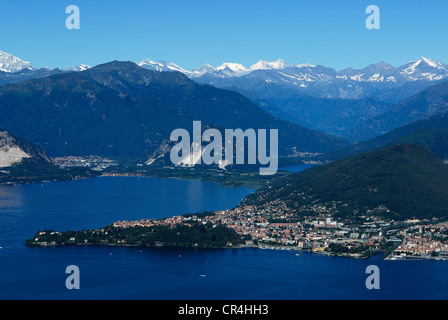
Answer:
[(175, 273)]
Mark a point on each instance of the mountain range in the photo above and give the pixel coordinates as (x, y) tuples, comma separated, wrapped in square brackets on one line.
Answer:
[(376, 80), (303, 74), (14, 70), (315, 80), (269, 85), (13, 64), (120, 109), (342, 103)]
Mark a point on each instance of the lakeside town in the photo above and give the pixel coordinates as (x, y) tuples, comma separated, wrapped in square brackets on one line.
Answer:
[(276, 226), (95, 163)]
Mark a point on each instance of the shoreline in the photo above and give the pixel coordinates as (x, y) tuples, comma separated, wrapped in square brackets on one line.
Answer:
[(295, 249), (298, 251)]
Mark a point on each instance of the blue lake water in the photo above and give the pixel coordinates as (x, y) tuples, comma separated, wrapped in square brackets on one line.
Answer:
[(175, 273)]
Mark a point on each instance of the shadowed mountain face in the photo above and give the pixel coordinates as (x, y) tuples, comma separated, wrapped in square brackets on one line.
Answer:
[(431, 133), (429, 102), (397, 182), (333, 116), (121, 109)]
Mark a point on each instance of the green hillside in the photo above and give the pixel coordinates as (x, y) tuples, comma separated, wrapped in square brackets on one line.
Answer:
[(396, 182)]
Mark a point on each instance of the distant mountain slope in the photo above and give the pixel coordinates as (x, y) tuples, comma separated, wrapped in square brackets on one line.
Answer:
[(398, 94), (431, 133), (333, 116), (121, 109), (429, 102), (397, 182)]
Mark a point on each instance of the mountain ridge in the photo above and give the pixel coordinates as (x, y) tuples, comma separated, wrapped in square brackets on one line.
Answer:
[(316, 79), (423, 105), (431, 133), (396, 182), (380, 80), (128, 110)]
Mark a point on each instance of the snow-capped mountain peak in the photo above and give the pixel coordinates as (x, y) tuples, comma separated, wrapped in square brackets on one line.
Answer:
[(78, 68), (305, 65), (235, 67), (206, 68), (421, 63), (229, 69), (429, 62), (265, 65), (424, 69), (161, 66), (10, 63), (383, 65)]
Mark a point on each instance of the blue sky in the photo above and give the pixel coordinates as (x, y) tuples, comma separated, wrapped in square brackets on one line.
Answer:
[(192, 33)]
